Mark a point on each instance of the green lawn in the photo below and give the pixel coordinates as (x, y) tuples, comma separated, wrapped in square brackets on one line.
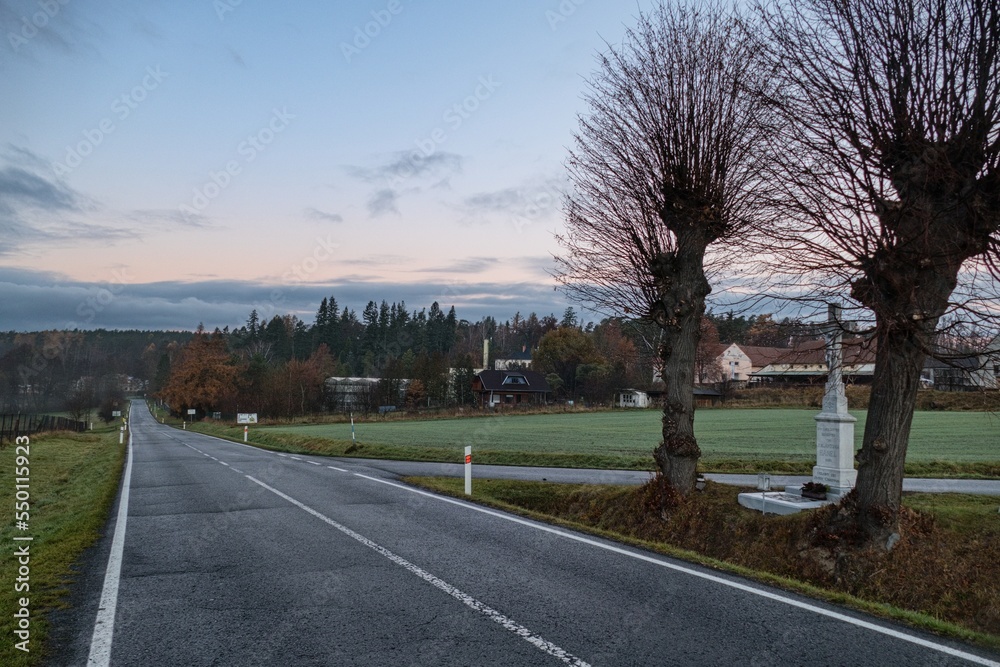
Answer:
[(765, 434)]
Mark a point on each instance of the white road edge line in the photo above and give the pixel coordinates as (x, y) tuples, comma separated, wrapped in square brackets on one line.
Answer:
[(104, 625), (337, 469), (807, 606), (464, 598)]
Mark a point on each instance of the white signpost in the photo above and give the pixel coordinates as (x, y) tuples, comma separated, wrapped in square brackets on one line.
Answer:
[(246, 418)]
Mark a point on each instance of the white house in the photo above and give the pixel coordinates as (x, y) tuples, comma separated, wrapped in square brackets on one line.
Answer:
[(738, 362), (519, 360), (633, 398)]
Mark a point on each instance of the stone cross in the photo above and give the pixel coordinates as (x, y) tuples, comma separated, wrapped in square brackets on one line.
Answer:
[(834, 425), (834, 398)]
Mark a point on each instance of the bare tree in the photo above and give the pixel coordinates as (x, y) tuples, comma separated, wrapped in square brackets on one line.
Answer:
[(888, 156), (663, 170)]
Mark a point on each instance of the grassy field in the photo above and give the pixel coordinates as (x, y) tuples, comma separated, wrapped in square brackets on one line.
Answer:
[(72, 483), (750, 434)]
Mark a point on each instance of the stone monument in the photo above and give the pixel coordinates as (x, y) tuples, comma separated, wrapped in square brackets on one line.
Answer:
[(834, 425), (834, 437)]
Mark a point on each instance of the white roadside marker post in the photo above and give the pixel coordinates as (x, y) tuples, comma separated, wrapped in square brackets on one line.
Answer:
[(764, 484), (121, 436), (468, 471), (245, 430)]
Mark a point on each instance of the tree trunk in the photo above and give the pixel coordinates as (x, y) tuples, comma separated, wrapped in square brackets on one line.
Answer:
[(683, 288), (908, 297), (898, 363)]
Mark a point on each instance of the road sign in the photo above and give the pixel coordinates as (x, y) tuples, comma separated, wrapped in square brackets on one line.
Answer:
[(192, 411), (246, 418)]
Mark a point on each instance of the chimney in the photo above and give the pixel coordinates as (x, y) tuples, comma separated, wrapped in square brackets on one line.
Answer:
[(486, 354)]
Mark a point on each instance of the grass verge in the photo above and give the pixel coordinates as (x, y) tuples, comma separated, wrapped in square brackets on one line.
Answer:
[(952, 541), (72, 484), (307, 443)]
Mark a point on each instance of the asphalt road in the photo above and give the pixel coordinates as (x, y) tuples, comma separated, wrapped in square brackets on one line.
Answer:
[(237, 556)]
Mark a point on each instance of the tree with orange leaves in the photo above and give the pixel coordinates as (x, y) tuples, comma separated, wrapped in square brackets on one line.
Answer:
[(202, 376)]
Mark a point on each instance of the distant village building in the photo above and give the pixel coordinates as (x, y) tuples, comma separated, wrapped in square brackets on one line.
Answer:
[(806, 363), (633, 398), (359, 394), (802, 364), (972, 373), (518, 360), (739, 362), (346, 394), (501, 388), (704, 397)]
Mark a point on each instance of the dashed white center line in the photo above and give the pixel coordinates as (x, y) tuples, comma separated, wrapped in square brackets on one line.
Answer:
[(312, 462), (464, 598)]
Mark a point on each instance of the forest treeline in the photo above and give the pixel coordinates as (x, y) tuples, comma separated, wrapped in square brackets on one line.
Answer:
[(278, 367)]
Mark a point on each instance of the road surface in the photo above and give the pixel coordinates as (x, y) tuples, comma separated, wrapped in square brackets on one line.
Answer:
[(222, 554)]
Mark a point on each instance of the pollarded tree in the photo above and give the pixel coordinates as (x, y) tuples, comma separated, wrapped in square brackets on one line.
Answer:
[(889, 158), (663, 176)]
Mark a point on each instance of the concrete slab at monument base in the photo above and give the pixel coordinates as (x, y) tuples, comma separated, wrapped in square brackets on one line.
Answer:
[(779, 502)]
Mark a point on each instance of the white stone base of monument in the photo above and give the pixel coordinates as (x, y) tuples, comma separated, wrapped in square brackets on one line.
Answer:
[(835, 452), (779, 502)]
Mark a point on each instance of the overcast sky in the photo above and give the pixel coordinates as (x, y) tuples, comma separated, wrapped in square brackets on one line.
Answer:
[(165, 164)]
